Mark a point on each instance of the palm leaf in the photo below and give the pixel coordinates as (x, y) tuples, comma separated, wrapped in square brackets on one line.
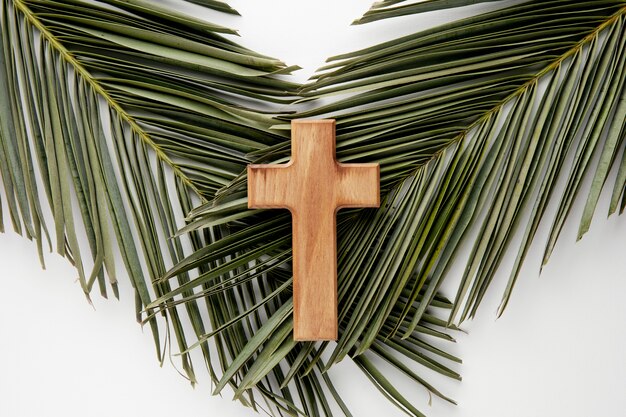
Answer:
[(122, 113), (587, 82)]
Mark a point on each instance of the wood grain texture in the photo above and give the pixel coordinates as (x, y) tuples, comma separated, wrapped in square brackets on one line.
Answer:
[(313, 186)]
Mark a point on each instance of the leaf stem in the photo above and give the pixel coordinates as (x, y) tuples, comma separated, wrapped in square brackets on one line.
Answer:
[(85, 74)]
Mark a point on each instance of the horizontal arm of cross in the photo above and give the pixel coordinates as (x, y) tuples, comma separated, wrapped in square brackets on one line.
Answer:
[(358, 185), (272, 185)]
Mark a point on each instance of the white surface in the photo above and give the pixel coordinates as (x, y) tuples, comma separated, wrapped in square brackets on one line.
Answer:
[(558, 350)]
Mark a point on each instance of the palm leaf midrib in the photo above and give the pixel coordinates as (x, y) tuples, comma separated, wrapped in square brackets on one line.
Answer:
[(101, 91)]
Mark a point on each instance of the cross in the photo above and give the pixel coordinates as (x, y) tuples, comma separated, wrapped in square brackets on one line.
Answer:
[(313, 186)]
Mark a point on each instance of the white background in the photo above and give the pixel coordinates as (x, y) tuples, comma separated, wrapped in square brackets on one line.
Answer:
[(559, 349)]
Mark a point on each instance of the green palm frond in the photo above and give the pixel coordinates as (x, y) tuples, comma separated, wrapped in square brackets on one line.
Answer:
[(479, 66), (126, 110), (148, 117)]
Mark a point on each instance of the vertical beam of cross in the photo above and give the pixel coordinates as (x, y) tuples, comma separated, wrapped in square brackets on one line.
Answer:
[(313, 186)]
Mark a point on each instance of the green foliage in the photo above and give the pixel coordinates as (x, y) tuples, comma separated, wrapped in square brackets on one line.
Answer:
[(128, 114), (148, 118)]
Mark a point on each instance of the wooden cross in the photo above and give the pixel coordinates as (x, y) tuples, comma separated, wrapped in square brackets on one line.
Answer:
[(313, 186)]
